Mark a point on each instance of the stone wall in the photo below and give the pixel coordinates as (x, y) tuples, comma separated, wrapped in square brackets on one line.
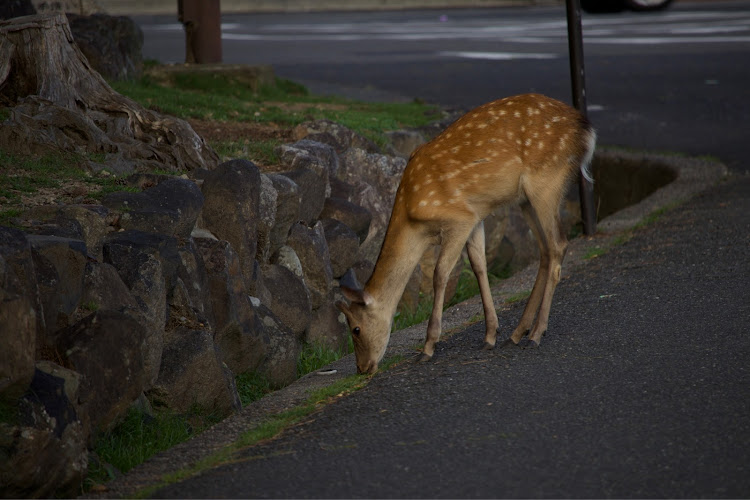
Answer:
[(166, 292)]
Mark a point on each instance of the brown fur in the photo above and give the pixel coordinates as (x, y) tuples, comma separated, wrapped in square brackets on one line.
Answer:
[(522, 149)]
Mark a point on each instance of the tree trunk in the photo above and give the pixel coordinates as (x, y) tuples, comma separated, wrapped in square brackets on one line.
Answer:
[(61, 102)]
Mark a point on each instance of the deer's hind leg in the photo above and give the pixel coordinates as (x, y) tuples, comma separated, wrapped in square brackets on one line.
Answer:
[(542, 214), (475, 247)]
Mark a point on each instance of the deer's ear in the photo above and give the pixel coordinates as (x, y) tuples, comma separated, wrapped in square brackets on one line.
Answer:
[(356, 296), (343, 307)]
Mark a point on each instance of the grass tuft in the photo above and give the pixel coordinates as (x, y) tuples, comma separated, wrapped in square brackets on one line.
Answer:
[(315, 356), (141, 436)]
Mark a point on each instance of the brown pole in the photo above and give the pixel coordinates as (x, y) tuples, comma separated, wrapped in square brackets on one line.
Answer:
[(578, 83), (202, 22)]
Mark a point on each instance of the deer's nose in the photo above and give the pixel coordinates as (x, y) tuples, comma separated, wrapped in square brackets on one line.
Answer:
[(367, 368)]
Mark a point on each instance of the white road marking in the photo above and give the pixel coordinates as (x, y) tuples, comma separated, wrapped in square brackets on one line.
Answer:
[(707, 27), (499, 56)]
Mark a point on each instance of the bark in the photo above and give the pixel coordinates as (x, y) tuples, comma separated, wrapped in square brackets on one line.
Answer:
[(60, 102)]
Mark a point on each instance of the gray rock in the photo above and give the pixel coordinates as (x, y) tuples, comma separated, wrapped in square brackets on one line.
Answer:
[(147, 264), (89, 223), (103, 289), (288, 202), (343, 246), (18, 314), (310, 246), (313, 190), (44, 453), (237, 332), (368, 197), (191, 298), (107, 349), (192, 374), (357, 218), (171, 208), (316, 156), (381, 171), (280, 365), (287, 257), (341, 138), (363, 270), (257, 287), (405, 142), (112, 44), (328, 327), (59, 264), (290, 299), (267, 218), (231, 208)]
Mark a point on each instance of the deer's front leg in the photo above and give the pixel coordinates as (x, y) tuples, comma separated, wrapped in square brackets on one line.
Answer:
[(452, 243), (475, 247)]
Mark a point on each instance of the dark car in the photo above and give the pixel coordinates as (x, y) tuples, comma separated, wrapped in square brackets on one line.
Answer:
[(618, 5)]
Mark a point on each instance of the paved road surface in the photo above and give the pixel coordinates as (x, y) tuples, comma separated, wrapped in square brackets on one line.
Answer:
[(675, 80), (641, 388)]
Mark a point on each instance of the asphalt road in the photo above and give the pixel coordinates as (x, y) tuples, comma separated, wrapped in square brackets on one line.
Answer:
[(675, 80), (641, 389)]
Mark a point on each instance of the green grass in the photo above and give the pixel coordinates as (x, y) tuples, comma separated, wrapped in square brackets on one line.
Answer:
[(252, 386), (26, 175), (210, 97), (517, 297), (593, 253), (7, 216), (656, 215), (262, 152), (217, 97), (272, 426), (8, 412), (315, 356), (139, 437)]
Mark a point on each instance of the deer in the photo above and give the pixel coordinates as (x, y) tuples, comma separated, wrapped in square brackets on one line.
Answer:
[(521, 149)]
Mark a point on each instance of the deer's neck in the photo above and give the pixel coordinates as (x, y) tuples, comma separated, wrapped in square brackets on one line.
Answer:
[(403, 246)]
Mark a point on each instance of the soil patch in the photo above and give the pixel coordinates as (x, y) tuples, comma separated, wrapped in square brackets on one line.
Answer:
[(215, 131)]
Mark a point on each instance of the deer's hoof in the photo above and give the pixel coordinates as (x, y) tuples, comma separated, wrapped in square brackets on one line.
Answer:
[(423, 358), (508, 344), (528, 344), (487, 346)]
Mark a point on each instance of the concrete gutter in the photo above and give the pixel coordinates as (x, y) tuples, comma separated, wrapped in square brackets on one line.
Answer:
[(135, 7)]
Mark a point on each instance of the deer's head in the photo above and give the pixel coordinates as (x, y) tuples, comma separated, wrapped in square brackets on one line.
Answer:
[(370, 327)]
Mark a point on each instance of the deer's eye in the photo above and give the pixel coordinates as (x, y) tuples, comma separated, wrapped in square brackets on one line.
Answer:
[(355, 330)]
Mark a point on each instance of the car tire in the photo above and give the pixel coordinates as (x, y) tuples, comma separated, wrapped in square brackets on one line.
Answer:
[(602, 6), (647, 5)]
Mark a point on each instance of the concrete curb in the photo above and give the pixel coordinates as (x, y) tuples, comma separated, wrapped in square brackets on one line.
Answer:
[(694, 175)]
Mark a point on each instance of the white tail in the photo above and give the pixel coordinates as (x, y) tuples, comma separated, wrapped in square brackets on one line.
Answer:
[(520, 149)]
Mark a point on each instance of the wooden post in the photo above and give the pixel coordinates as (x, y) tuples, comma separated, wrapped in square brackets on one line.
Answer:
[(578, 82), (202, 22)]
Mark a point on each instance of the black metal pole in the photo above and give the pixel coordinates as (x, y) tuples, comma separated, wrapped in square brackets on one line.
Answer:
[(578, 83)]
